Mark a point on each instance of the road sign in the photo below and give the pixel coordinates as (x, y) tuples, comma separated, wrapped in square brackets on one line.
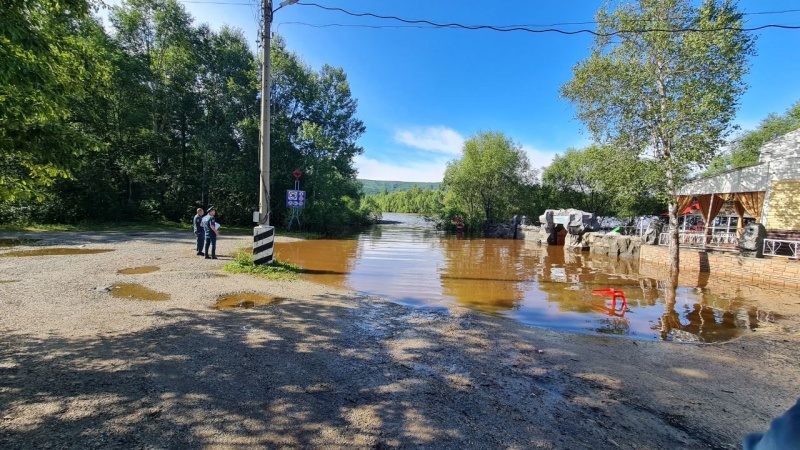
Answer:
[(297, 173), (295, 199)]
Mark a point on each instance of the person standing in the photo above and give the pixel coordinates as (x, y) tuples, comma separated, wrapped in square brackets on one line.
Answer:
[(199, 233), (211, 232)]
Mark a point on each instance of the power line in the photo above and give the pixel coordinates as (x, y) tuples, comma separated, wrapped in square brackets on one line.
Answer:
[(426, 24), (353, 25), (546, 30)]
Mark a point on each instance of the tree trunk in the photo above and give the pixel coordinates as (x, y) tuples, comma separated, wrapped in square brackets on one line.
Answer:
[(674, 250)]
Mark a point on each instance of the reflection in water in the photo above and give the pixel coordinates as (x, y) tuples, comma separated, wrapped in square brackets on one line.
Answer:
[(138, 270), (485, 274), (702, 322), (136, 291), (245, 300), (15, 242), (412, 263)]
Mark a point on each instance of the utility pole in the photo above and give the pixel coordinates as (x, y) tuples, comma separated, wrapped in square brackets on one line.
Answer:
[(263, 234), (263, 191)]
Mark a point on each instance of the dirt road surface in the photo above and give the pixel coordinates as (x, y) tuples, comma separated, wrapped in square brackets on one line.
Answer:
[(328, 369)]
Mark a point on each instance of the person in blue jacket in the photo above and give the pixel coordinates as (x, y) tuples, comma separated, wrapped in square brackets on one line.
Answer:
[(211, 232), (199, 233)]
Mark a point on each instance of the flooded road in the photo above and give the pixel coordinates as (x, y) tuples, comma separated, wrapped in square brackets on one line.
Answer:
[(411, 262)]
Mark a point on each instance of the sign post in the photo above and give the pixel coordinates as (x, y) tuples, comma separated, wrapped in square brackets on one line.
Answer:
[(295, 199)]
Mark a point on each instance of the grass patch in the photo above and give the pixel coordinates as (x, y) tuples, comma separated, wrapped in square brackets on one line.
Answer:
[(278, 270)]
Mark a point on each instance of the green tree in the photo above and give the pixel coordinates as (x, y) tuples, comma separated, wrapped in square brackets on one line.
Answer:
[(159, 36), (746, 148), (314, 129), (49, 67), (604, 181), (414, 201), (485, 184), (160, 116), (670, 93)]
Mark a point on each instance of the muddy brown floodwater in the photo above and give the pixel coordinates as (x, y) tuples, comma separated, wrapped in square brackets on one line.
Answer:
[(245, 300), (412, 263), (138, 270), (136, 291), (16, 242)]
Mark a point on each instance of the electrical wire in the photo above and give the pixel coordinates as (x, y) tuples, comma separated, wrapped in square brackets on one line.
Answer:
[(549, 30), (352, 25), (419, 23)]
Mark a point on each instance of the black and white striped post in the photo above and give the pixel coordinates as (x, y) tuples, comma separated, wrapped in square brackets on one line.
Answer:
[(263, 243)]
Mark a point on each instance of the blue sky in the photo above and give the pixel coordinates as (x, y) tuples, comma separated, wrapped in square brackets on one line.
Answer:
[(422, 91)]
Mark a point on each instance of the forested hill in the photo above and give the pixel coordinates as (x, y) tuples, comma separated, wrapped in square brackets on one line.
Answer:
[(373, 187)]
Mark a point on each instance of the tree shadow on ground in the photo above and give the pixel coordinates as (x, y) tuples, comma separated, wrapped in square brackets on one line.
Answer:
[(311, 375)]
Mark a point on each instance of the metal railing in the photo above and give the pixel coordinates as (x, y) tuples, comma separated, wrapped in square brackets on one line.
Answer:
[(779, 247), (726, 239), (702, 240), (730, 241)]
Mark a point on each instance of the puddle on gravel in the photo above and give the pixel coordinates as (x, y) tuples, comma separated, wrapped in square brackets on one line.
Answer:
[(138, 270), (16, 242), (137, 291), (219, 275), (56, 252), (245, 300), (9, 281)]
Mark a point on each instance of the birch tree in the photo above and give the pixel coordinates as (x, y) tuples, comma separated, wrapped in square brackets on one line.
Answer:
[(663, 79)]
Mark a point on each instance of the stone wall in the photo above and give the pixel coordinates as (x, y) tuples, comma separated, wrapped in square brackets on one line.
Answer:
[(784, 206), (532, 233), (776, 272), (613, 245)]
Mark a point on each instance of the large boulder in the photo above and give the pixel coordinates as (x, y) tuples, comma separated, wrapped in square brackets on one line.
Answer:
[(575, 221), (547, 222), (574, 242), (532, 233), (751, 244), (653, 232), (614, 245)]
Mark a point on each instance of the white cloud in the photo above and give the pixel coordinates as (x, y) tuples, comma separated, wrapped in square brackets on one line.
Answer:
[(419, 171), (539, 158), (433, 139)]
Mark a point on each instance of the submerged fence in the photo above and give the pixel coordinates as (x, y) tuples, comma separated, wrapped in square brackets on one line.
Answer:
[(729, 241)]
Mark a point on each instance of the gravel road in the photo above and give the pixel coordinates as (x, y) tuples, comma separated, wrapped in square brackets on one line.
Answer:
[(323, 368)]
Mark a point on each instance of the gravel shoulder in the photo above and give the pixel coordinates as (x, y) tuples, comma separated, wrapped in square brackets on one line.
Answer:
[(330, 369)]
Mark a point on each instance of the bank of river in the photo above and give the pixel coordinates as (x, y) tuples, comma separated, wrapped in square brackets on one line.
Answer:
[(325, 367)]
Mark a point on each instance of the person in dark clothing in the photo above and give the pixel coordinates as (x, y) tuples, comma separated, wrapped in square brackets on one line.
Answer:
[(211, 232), (199, 233)]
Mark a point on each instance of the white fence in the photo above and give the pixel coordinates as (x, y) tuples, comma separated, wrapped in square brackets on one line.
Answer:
[(722, 241), (778, 247), (730, 241)]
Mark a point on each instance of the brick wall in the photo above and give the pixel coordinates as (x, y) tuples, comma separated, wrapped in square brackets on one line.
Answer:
[(783, 212), (773, 271)]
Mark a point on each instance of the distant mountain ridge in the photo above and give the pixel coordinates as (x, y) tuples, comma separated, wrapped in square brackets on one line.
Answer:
[(373, 187)]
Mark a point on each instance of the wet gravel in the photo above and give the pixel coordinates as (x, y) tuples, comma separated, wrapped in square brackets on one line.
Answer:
[(322, 368)]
